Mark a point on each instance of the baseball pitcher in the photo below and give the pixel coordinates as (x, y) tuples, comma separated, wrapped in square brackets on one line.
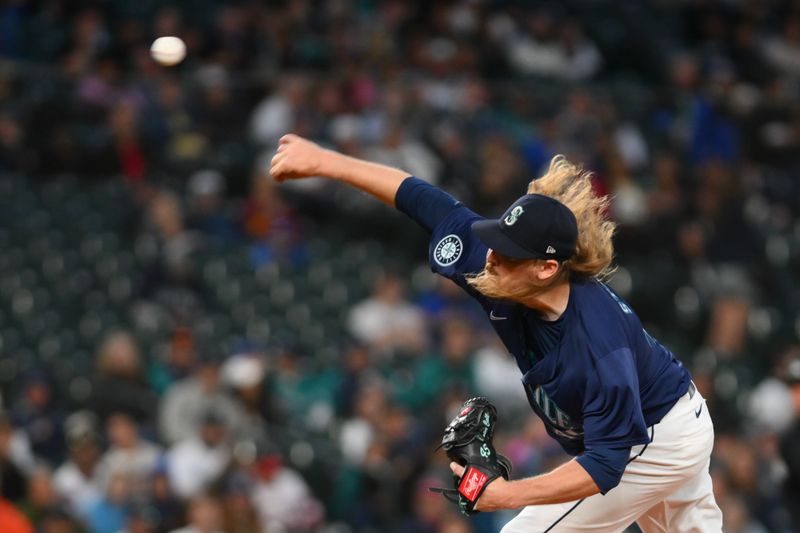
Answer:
[(607, 391)]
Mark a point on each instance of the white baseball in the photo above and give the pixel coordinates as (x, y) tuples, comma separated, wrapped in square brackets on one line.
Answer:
[(168, 51)]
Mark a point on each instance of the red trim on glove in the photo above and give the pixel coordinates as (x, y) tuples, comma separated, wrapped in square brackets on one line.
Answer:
[(472, 483)]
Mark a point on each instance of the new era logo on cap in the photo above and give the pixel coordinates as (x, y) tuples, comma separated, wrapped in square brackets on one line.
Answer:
[(551, 250)]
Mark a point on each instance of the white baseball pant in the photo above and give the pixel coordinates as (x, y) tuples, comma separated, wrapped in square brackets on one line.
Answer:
[(666, 486)]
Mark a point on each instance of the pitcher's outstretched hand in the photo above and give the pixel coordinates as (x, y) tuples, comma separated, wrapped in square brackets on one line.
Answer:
[(296, 158)]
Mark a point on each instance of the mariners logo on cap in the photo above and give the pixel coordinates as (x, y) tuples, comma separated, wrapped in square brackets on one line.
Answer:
[(512, 217), (448, 250)]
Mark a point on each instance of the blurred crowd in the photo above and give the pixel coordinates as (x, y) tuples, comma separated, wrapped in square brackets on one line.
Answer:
[(687, 112)]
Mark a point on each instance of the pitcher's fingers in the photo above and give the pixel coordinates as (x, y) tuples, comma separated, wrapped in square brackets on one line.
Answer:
[(289, 137), (277, 159), (457, 469), (277, 169)]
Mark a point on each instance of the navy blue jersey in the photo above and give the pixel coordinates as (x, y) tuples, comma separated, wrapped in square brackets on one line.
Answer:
[(596, 378)]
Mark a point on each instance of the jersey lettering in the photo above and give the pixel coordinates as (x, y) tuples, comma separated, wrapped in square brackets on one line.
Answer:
[(561, 423), (622, 305)]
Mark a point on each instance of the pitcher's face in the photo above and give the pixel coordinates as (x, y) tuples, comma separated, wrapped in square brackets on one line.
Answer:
[(516, 279)]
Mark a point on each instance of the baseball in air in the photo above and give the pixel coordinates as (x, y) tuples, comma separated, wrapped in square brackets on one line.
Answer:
[(168, 51)]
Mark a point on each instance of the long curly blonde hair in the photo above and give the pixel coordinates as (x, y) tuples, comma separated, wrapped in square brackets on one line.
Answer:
[(572, 186)]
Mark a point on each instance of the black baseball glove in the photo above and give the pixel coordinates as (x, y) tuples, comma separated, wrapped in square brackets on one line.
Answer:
[(468, 441)]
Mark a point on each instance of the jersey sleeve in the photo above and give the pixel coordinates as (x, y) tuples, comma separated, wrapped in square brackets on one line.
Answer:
[(613, 421), (454, 251), (424, 203)]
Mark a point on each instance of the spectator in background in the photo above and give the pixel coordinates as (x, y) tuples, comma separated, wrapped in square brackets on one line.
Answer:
[(282, 498), (205, 516), (500, 176), (278, 110), (173, 124), (219, 112), (196, 462), (128, 453), (240, 513), (385, 321), (41, 495), (207, 212), (76, 480), (548, 48), (127, 151), (665, 195), (629, 202), (118, 385), (243, 374), (783, 51), (109, 514), (448, 369), (360, 428), (37, 411), (182, 408), (400, 151), (493, 371), (717, 242), (170, 509), (178, 363), (174, 268)]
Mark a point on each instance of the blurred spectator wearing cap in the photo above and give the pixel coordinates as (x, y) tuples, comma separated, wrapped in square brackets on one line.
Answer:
[(119, 385), (204, 516), (76, 480), (790, 443), (245, 374), (128, 452), (283, 499), (196, 462), (187, 400)]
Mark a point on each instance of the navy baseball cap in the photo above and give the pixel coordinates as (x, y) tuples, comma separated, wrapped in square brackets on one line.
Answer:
[(534, 227)]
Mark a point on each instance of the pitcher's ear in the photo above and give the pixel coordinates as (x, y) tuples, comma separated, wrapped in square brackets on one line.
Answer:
[(546, 268)]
